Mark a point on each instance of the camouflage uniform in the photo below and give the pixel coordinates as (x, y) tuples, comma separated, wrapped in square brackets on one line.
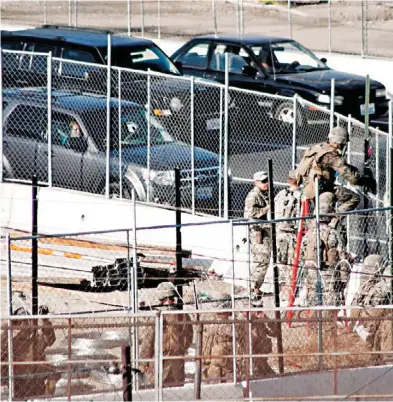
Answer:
[(287, 205), (262, 330), (373, 292), (177, 338), (257, 207), (334, 275)]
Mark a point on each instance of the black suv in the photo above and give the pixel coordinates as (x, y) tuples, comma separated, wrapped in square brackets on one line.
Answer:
[(279, 66), (79, 63), (78, 142)]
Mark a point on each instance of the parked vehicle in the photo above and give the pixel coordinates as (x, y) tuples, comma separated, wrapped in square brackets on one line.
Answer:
[(79, 148), (281, 66), (79, 63)]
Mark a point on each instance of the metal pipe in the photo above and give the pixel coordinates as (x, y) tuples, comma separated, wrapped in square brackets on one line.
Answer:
[(69, 356), (319, 282), (241, 17), (363, 37), (134, 256), (238, 17), (69, 12), (226, 138), (367, 106), (142, 18), (192, 146), (348, 218), (76, 12), (129, 17), (10, 313), (332, 96), (127, 374), (220, 160), (250, 350), (294, 131), (179, 249), (45, 12), (34, 247), (290, 19), (377, 162), (108, 116), (366, 167), (214, 16), (120, 136), (49, 96), (161, 359), (198, 350), (148, 135), (157, 353), (233, 300), (159, 19), (330, 26)]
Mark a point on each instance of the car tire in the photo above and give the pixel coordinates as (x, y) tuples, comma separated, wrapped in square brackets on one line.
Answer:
[(284, 113), (114, 190)]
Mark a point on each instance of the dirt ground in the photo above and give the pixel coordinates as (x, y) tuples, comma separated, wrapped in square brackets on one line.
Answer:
[(189, 18)]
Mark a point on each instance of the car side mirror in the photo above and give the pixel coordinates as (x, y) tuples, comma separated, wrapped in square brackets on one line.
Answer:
[(324, 60), (250, 71), (179, 65), (78, 144)]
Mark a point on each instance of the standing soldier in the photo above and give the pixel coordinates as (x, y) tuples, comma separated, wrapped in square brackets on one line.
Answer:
[(375, 291), (287, 204), (334, 273), (326, 161), (177, 338), (257, 207)]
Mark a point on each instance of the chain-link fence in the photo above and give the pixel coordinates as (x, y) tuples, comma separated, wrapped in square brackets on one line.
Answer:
[(225, 354), (104, 142), (365, 25)]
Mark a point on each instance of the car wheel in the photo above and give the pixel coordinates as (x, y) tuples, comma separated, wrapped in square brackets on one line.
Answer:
[(284, 113), (114, 190)]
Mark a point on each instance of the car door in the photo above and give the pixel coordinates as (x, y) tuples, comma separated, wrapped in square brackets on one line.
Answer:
[(25, 144), (74, 165), (194, 60)]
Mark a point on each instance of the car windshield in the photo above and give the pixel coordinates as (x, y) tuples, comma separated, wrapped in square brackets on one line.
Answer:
[(287, 57), (143, 58), (134, 130)]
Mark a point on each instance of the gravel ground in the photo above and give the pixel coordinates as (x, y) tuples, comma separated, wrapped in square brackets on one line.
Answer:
[(189, 18)]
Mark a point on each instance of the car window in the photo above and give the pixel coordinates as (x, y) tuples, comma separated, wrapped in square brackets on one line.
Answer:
[(238, 58), (10, 45), (196, 56), (65, 129), (35, 62), (27, 121), (78, 55), (143, 58)]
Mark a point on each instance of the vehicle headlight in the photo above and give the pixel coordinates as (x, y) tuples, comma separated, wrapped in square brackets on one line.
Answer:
[(166, 178), (322, 98), (176, 104), (380, 93)]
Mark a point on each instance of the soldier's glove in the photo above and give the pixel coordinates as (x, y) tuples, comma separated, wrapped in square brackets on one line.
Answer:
[(369, 184), (43, 310)]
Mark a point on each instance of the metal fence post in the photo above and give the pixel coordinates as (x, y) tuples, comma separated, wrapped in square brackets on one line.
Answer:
[(226, 138), (330, 26), (45, 12), (76, 12), (49, 96), (192, 146), (289, 19), (1, 115), (148, 134), (120, 136), (294, 131), (233, 300), (130, 279), (159, 19), (362, 28), (238, 16), (129, 17), (70, 12), (214, 16), (142, 18), (160, 358), (241, 17), (108, 116), (157, 354), (377, 175), (10, 313), (348, 218), (134, 256), (319, 281), (332, 96)]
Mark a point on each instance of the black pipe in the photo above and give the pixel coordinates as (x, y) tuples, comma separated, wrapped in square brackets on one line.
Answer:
[(127, 373), (273, 240), (34, 247), (179, 257), (391, 233)]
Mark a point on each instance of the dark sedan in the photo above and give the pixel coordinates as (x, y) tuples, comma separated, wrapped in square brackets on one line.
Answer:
[(279, 66)]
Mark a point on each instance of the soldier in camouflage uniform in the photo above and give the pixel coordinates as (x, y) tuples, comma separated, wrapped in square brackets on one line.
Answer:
[(287, 205), (326, 161), (334, 274), (257, 207), (375, 291), (177, 338)]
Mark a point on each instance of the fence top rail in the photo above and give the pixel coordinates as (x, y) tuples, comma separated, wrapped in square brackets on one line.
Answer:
[(120, 315), (80, 63), (24, 52), (257, 93)]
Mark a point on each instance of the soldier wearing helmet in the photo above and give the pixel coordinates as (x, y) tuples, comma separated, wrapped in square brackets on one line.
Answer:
[(177, 338), (326, 161), (257, 207)]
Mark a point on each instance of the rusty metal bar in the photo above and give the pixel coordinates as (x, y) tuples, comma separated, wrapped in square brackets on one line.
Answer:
[(127, 375), (69, 355)]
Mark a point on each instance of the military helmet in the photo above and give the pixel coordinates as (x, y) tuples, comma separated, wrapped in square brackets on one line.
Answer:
[(373, 261), (339, 135), (166, 290)]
